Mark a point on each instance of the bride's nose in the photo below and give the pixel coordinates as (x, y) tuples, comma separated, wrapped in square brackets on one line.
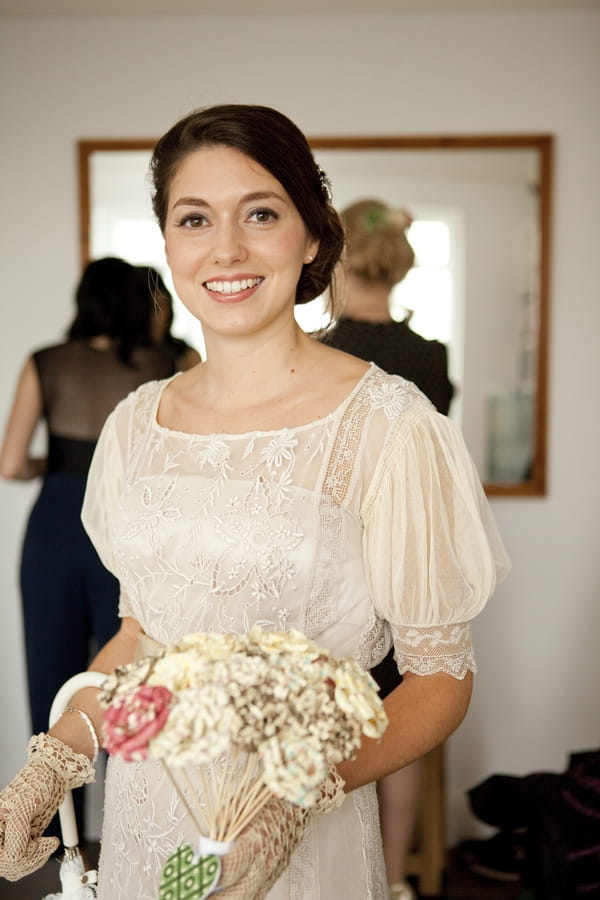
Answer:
[(228, 246)]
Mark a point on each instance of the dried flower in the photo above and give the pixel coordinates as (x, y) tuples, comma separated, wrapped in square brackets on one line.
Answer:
[(213, 700), (132, 721)]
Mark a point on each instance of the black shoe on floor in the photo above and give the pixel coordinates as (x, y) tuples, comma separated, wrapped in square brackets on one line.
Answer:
[(499, 857)]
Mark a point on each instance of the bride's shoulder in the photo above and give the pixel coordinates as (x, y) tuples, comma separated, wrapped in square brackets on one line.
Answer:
[(140, 404)]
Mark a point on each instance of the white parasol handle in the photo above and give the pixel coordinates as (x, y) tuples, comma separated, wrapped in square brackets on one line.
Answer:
[(66, 812)]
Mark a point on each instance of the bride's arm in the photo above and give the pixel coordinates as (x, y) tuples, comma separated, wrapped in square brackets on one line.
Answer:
[(71, 728), (422, 712)]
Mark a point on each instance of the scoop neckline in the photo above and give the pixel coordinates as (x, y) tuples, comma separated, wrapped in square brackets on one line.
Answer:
[(231, 435)]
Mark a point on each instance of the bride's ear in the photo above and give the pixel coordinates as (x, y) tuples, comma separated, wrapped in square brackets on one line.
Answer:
[(311, 251)]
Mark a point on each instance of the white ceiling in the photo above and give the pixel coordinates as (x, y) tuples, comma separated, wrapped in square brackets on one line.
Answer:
[(20, 8)]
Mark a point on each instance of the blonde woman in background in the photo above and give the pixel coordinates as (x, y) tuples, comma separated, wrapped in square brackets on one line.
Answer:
[(379, 256)]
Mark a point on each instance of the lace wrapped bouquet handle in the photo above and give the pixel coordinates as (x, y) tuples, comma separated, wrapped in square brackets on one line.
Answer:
[(236, 720)]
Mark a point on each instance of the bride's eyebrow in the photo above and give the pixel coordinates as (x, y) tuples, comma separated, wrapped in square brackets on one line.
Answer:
[(190, 201), (261, 195), (247, 198)]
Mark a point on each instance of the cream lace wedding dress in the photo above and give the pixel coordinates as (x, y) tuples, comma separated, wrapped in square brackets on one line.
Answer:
[(365, 526)]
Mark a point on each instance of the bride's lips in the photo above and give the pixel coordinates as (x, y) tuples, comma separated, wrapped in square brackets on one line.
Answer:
[(232, 290)]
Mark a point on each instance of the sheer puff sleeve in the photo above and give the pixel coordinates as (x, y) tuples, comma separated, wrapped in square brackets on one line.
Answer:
[(433, 554)]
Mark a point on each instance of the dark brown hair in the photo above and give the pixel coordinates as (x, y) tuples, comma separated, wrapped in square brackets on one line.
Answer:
[(110, 300), (277, 144)]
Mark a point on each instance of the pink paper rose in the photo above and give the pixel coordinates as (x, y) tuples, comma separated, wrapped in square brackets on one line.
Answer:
[(131, 722)]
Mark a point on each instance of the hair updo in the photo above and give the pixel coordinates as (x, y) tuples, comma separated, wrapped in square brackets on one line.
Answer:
[(377, 248), (277, 144), (111, 301)]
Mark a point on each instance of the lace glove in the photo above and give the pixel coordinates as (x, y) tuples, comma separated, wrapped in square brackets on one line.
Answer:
[(264, 849), (29, 802)]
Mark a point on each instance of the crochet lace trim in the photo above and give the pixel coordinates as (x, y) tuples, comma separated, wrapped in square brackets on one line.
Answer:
[(74, 768)]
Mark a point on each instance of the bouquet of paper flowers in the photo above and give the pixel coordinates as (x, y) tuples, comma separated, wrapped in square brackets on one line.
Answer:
[(238, 718)]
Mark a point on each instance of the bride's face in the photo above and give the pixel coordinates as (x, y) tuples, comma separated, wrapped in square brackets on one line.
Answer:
[(235, 242)]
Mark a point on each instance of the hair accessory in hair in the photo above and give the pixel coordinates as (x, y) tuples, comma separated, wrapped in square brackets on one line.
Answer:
[(325, 183), (374, 218), (378, 216)]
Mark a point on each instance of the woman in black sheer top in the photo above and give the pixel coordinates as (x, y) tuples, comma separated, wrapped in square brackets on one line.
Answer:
[(69, 599)]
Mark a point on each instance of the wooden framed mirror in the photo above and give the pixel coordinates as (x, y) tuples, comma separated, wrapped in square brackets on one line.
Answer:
[(488, 200)]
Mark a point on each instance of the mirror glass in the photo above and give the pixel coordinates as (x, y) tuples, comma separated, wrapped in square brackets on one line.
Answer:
[(481, 222)]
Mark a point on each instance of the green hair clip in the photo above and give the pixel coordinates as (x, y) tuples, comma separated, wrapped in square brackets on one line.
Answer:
[(373, 219)]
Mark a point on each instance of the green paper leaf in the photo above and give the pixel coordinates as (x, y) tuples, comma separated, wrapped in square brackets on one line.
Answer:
[(186, 877)]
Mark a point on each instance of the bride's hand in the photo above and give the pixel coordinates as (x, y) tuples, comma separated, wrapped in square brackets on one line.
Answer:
[(29, 802), (263, 850)]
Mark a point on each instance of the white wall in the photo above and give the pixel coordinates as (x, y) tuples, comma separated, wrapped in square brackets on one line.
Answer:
[(61, 79)]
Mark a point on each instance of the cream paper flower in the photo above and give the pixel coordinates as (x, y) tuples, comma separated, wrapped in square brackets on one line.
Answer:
[(261, 712)]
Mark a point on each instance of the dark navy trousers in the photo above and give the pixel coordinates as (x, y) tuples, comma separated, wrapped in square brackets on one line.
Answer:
[(70, 599)]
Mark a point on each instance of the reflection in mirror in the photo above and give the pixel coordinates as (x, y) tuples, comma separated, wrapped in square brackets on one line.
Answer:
[(481, 210)]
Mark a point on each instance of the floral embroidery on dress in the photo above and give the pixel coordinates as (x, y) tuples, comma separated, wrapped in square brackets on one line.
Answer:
[(213, 451), (257, 534), (279, 451), (154, 507), (392, 397)]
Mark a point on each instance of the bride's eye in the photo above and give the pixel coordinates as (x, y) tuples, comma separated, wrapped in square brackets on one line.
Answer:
[(192, 220), (263, 215)]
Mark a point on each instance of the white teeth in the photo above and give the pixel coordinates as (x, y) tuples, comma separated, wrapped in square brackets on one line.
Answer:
[(232, 287)]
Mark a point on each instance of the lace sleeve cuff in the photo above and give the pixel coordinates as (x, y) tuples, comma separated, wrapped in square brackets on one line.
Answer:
[(435, 648), (75, 769)]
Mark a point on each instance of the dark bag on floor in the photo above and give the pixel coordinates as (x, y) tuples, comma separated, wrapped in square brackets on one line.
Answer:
[(559, 816)]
